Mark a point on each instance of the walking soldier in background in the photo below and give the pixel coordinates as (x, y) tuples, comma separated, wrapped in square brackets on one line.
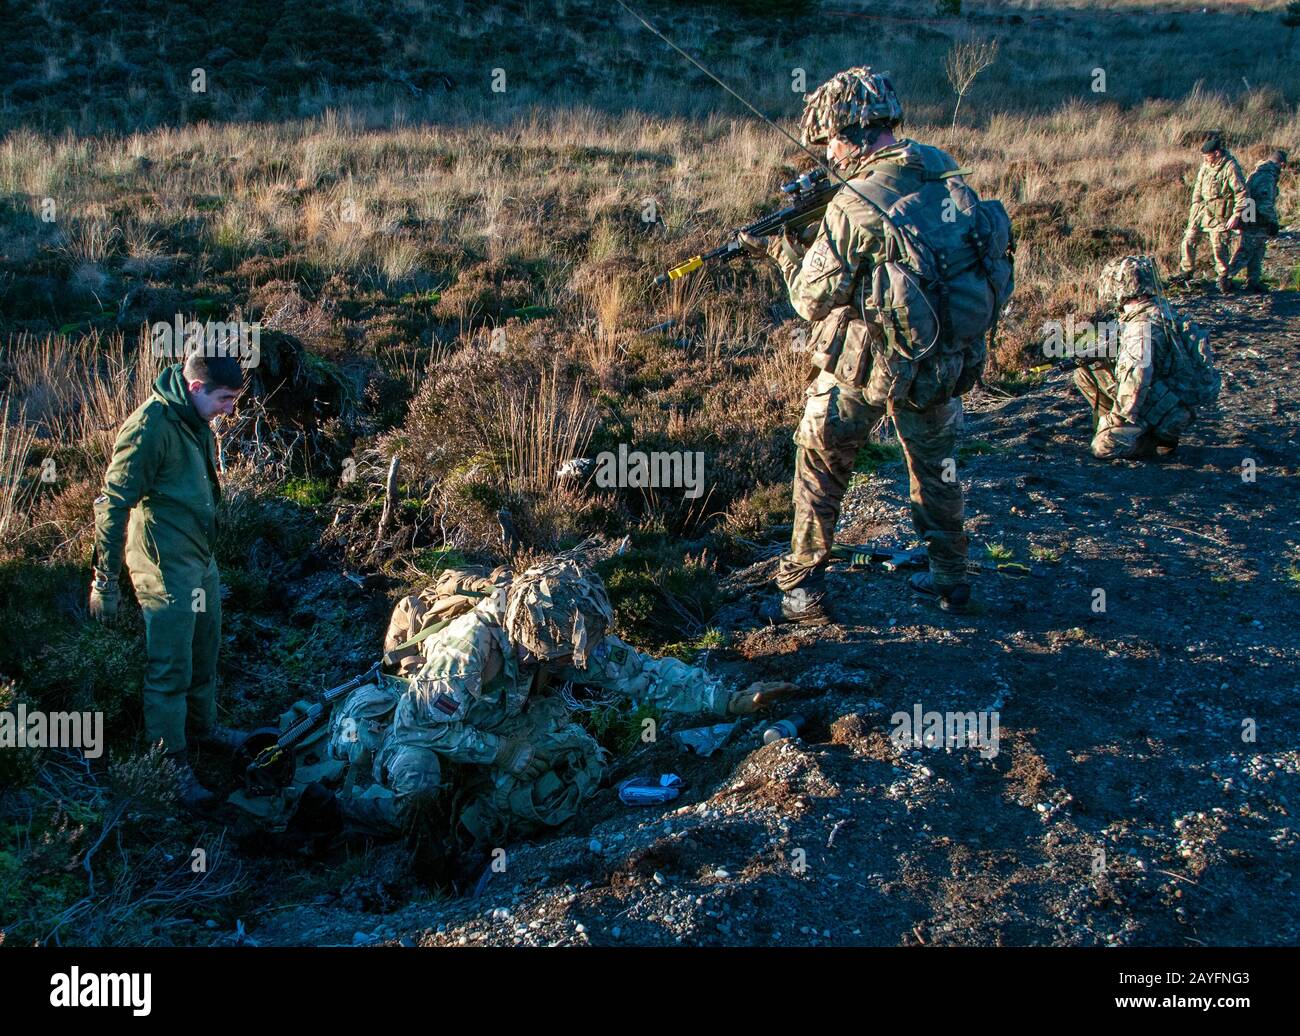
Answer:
[(1218, 203), (1262, 223)]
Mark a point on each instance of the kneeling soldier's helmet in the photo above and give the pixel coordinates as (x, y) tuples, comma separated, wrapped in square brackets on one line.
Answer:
[(555, 609), (1128, 277), (854, 97)]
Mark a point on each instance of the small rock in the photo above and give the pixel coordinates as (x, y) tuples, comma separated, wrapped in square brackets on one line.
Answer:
[(579, 928), (660, 879)]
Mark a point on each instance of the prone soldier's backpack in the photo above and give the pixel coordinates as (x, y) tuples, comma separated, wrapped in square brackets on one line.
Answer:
[(457, 591), (947, 274)]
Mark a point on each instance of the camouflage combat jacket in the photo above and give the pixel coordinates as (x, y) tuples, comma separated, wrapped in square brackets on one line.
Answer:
[(1219, 194), (472, 689), (1143, 366), (851, 239)]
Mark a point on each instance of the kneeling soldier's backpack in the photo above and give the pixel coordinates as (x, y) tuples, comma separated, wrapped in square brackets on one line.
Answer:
[(1192, 374)]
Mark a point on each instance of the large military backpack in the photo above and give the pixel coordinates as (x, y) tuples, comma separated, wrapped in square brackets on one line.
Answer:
[(456, 591), (946, 275), (1192, 374)]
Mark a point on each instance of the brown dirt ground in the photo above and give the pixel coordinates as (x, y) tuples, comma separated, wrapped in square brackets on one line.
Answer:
[(1120, 731)]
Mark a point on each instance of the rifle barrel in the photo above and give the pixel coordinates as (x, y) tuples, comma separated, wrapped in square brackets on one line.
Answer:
[(809, 205)]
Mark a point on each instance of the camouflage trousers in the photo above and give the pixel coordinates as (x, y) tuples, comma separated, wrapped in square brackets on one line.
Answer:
[(1113, 437), (1250, 255), (389, 782), (837, 421), (1222, 245)]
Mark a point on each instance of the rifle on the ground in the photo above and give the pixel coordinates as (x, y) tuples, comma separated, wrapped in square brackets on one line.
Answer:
[(891, 559), (809, 195), (270, 752)]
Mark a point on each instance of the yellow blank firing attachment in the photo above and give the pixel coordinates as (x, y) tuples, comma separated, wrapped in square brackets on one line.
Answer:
[(694, 263)]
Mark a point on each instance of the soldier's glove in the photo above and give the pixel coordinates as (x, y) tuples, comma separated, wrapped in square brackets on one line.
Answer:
[(790, 244), (754, 245), (104, 597), (757, 696), (520, 759)]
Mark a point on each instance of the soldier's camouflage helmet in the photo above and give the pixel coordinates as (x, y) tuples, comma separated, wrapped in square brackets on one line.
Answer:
[(854, 97), (555, 609), (1128, 277)]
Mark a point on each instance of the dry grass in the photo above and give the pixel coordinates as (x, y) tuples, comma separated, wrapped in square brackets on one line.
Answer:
[(16, 440), (537, 429), (536, 199), (78, 392)]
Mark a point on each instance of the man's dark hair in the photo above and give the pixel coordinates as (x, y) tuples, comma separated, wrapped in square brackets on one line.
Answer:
[(1213, 142), (863, 135), (214, 371)]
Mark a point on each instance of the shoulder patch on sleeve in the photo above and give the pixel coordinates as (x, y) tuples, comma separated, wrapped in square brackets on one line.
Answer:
[(445, 704)]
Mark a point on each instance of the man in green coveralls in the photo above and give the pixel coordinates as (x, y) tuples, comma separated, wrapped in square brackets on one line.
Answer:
[(158, 513)]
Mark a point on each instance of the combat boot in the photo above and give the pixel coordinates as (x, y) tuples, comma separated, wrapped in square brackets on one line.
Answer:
[(189, 792), (1181, 278), (1257, 287), (228, 739), (954, 598), (1226, 286), (801, 606)]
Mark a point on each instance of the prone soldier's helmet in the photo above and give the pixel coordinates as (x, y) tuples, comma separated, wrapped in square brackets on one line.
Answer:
[(555, 609), (854, 97), (1128, 277)]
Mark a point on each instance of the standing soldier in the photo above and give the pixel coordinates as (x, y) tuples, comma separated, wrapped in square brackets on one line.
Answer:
[(883, 345), (158, 512), (1261, 223), (1218, 204), (1145, 395)]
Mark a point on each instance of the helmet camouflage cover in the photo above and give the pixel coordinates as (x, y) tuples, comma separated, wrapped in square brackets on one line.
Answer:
[(854, 97), (1128, 277), (555, 609)]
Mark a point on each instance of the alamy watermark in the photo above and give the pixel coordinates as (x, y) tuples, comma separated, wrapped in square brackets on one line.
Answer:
[(657, 469), (74, 988), (920, 729), (35, 729), (180, 337)]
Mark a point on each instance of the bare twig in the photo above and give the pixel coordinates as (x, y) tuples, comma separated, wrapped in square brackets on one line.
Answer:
[(390, 502), (965, 61)]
